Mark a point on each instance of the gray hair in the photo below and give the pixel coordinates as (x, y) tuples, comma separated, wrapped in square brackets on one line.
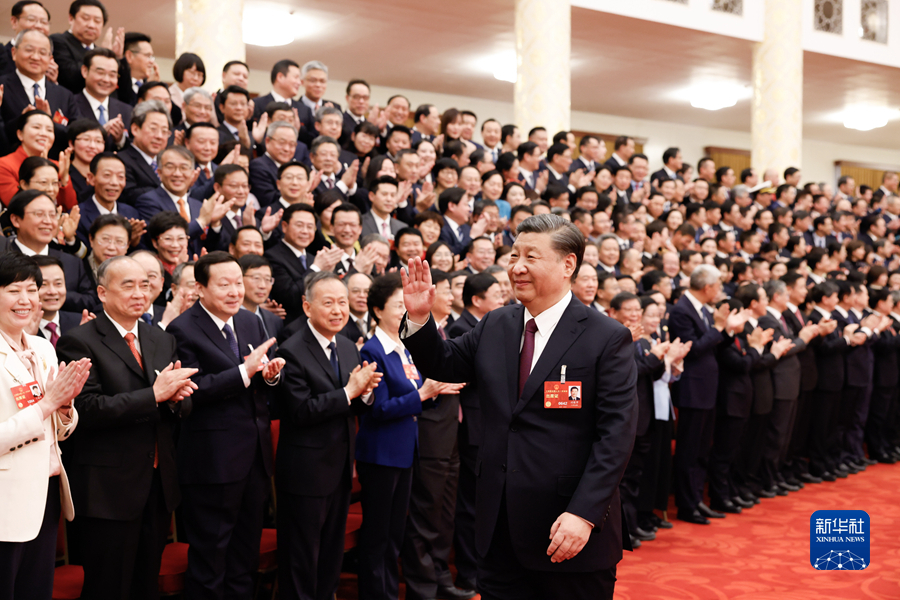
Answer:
[(740, 191), (272, 128), (704, 275), (314, 278), (150, 254), (324, 111), (106, 265), (25, 32), (494, 269), (179, 150), (312, 66), (196, 91), (565, 238), (179, 270), (321, 141), (373, 238), (775, 286), (140, 112), (607, 236)]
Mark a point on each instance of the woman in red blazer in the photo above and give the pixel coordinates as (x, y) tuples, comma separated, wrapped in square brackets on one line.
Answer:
[(35, 132)]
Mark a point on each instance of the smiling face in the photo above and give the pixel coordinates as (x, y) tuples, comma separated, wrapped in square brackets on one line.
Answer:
[(537, 271), (171, 245), (329, 309), (87, 24), (33, 55), (17, 301), (109, 241), (224, 292), (176, 172), (53, 290), (109, 181), (258, 284), (38, 226), (102, 77), (37, 134), (126, 295)]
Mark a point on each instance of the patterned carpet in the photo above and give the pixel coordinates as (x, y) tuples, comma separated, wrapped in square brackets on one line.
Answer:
[(763, 554)]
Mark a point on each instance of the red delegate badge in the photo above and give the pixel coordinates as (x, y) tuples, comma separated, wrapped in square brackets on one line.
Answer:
[(411, 372), (26, 395), (559, 394)]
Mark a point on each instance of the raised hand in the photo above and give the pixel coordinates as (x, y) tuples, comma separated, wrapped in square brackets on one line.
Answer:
[(68, 222), (540, 184), (418, 291), (43, 105), (349, 176), (809, 331), (780, 347), (274, 308), (65, 160), (259, 128), (366, 258), (661, 349), (52, 72), (87, 316)]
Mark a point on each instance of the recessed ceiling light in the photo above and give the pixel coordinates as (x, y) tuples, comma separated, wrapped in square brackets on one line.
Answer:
[(716, 95), (274, 25), (867, 118), (502, 65)]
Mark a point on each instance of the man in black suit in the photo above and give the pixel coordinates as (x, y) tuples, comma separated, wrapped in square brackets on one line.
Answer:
[(623, 149), (286, 79), (427, 123), (314, 78), (122, 470), (454, 206), (29, 76), (672, 162), (225, 448), (822, 234), (691, 321), (358, 326), (107, 180), (87, 18), (257, 286), (290, 261), (528, 491), (55, 322), (559, 159), (233, 105), (150, 126), (358, 96), (25, 14), (281, 148), (101, 74), (323, 386), (884, 381), (136, 67)]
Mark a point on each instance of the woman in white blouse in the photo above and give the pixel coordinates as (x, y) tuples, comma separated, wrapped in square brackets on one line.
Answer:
[(35, 414)]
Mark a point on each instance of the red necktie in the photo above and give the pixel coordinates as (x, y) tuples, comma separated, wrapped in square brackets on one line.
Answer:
[(527, 354), (799, 317), (54, 335), (129, 339)]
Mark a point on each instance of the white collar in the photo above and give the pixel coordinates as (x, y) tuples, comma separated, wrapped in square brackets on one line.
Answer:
[(176, 198), (146, 156), (840, 310), (102, 210), (823, 312), (272, 158), (548, 320), (220, 324), (553, 171), (698, 306), (28, 82), (792, 308), (122, 331), (279, 98), (297, 251), (390, 345), (753, 322), (895, 316), (54, 320), (97, 103), (856, 313), (29, 252), (314, 106), (619, 160), (672, 174), (774, 312), (323, 341)]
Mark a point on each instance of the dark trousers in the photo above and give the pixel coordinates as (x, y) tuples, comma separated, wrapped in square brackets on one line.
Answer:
[(747, 468), (726, 444), (26, 568), (311, 542), (776, 436), (385, 499), (798, 445), (822, 438), (630, 485), (465, 555), (852, 400), (223, 524), (657, 476), (425, 554), (121, 558), (692, 445), (855, 434), (502, 577), (881, 408)]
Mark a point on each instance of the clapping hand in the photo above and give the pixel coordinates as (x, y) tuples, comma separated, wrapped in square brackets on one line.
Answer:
[(64, 385), (363, 379), (174, 383)]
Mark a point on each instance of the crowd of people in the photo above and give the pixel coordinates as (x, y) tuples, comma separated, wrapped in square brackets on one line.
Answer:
[(209, 264)]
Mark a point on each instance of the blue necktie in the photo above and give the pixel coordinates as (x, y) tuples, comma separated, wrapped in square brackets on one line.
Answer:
[(232, 341), (102, 118), (303, 260), (334, 361), (706, 317), (147, 318), (37, 92), (154, 165)]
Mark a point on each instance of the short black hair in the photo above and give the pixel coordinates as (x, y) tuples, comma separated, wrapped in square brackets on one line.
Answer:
[(407, 231), (48, 261), (107, 221), (196, 126), (346, 207), (507, 131), (232, 89), (225, 170), (79, 126), (185, 62), (422, 111), (19, 7), (291, 210), (15, 268), (95, 162), (163, 221), (448, 196), (555, 150), (253, 261), (90, 55), (133, 38), (669, 154), (22, 199), (397, 129), (282, 67), (353, 82), (79, 4), (202, 266), (381, 290), (289, 164), (477, 285), (621, 298), (31, 164)]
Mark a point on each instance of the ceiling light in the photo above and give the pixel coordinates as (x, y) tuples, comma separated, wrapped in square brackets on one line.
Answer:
[(265, 26), (866, 118), (715, 96), (502, 65)]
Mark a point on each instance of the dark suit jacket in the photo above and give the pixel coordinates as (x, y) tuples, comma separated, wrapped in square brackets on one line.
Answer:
[(661, 174), (263, 180), (67, 322), (468, 396), (787, 371), (260, 103), (89, 212), (649, 369), (734, 395), (116, 108), (140, 177), (121, 424), (159, 200), (288, 273), (79, 294), (808, 373), (809, 239), (272, 324), (580, 163), (701, 371), (229, 424), (351, 330), (369, 226), (347, 130), (318, 432), (6, 60), (457, 245), (761, 376), (203, 187), (15, 100), (886, 360), (520, 458), (857, 359), (830, 351), (225, 134), (69, 53)]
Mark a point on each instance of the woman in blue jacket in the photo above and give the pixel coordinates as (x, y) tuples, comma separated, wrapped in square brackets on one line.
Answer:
[(386, 442)]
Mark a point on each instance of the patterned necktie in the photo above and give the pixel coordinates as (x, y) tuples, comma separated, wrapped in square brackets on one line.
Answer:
[(54, 335), (527, 354), (784, 326), (232, 341), (101, 118), (385, 230), (329, 183), (154, 165), (303, 260), (238, 220), (334, 361), (37, 92), (182, 209)]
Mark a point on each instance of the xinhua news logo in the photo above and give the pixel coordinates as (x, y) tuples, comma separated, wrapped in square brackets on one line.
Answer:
[(839, 540)]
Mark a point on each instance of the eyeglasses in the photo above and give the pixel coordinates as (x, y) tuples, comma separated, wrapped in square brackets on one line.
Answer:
[(171, 167), (359, 97), (111, 241), (40, 215), (260, 280), (31, 20), (294, 178), (147, 54)]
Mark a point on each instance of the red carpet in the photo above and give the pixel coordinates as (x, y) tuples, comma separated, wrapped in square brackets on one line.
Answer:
[(763, 553)]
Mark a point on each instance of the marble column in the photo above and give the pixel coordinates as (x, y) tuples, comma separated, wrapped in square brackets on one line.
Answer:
[(211, 29), (543, 48), (777, 121)]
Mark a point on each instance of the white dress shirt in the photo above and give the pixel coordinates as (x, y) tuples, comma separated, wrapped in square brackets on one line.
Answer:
[(546, 322), (29, 252), (123, 332), (323, 342), (220, 325), (28, 84), (46, 332)]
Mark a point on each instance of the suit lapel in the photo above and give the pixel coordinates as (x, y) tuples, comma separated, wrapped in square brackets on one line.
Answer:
[(567, 331), (118, 345), (17, 93), (316, 350), (148, 351), (206, 324), (512, 333)]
